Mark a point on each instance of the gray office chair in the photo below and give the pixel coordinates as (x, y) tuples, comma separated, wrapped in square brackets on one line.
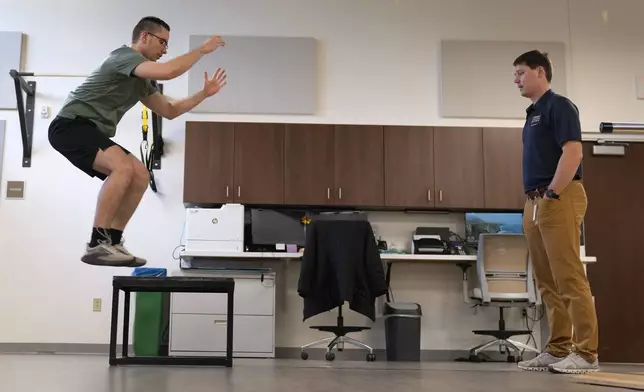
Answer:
[(504, 277)]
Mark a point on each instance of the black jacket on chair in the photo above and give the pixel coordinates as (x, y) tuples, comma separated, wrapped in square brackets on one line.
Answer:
[(341, 263)]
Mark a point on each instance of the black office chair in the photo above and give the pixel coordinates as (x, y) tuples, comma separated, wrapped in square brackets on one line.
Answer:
[(340, 254), (340, 331)]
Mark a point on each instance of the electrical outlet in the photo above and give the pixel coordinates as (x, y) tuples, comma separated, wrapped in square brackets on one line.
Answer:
[(97, 304), (44, 111)]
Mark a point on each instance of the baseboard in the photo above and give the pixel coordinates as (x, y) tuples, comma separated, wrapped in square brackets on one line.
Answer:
[(360, 355), (280, 352), (58, 348)]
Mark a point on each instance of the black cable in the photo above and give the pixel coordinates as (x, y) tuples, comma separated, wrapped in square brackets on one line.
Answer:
[(531, 328)]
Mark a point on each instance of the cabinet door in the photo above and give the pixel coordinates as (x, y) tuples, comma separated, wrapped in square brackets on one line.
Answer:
[(208, 163), (458, 161), (259, 163), (409, 166), (359, 161), (503, 152), (308, 164), (613, 234)]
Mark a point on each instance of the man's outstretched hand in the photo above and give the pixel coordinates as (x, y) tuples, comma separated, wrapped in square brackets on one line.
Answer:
[(211, 44), (218, 81)]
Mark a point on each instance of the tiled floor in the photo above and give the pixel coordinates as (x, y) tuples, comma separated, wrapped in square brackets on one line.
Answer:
[(71, 373)]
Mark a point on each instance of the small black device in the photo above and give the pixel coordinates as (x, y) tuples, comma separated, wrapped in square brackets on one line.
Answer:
[(552, 194), (431, 240)]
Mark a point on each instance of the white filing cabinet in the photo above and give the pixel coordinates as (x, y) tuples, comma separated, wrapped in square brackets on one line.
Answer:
[(198, 321)]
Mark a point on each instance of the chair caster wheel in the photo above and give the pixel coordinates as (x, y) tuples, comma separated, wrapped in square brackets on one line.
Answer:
[(329, 356), (304, 355), (371, 357), (475, 358)]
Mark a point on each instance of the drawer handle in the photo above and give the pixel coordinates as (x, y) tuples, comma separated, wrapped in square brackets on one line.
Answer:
[(223, 322)]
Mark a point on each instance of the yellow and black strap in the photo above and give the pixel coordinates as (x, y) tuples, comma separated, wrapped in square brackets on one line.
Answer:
[(147, 151)]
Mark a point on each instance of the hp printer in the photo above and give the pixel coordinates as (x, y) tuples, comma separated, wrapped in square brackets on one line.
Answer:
[(214, 229)]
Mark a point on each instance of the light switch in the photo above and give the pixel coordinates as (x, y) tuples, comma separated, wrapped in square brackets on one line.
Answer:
[(15, 189), (639, 87)]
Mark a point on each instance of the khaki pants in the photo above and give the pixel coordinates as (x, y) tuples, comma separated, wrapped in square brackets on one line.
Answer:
[(554, 241)]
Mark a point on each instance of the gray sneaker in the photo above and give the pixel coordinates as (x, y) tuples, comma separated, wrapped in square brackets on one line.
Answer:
[(540, 363), (574, 364), (138, 261), (105, 254)]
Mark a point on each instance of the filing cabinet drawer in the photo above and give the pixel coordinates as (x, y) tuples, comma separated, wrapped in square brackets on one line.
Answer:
[(252, 297), (207, 333)]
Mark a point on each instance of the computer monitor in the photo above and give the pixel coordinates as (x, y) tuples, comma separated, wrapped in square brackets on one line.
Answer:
[(270, 227), (491, 222)]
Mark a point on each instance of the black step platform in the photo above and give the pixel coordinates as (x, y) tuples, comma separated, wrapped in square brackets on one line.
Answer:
[(129, 284)]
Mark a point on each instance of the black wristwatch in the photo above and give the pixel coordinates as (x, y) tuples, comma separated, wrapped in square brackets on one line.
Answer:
[(552, 194)]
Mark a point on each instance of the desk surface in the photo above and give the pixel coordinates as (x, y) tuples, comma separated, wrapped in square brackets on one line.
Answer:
[(297, 256), (242, 255)]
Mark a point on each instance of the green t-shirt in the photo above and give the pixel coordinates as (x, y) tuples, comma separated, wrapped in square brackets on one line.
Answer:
[(109, 91)]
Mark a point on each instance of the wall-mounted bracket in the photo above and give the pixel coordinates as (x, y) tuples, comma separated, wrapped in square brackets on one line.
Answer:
[(25, 112), (621, 127), (157, 136)]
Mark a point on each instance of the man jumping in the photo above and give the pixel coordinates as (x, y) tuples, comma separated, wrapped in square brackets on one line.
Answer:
[(83, 129)]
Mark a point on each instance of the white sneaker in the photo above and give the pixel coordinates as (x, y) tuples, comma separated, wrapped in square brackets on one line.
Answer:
[(137, 262), (540, 363), (574, 364), (106, 255)]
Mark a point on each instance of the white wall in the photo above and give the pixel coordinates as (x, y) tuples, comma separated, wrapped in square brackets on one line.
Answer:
[(385, 71)]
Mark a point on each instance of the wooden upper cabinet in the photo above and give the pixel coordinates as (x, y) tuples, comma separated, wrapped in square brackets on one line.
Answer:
[(208, 165), (359, 165), (259, 163), (309, 164), (409, 166), (353, 165), (503, 152), (458, 168)]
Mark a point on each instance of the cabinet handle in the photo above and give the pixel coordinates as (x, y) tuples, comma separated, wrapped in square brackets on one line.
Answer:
[(221, 322), (239, 191), (340, 193), (328, 193), (429, 195), (440, 195), (227, 190)]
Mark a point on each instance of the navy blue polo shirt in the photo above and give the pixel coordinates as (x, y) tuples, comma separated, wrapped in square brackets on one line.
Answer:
[(550, 122)]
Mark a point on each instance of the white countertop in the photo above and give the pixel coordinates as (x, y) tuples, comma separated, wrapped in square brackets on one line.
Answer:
[(297, 256), (241, 255)]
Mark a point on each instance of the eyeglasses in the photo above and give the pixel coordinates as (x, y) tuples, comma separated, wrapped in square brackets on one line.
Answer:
[(163, 42)]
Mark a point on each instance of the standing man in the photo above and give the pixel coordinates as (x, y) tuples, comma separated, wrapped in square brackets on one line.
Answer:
[(554, 210), (83, 129)]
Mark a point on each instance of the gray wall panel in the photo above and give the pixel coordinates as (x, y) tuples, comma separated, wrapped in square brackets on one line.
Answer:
[(477, 77), (3, 128), (265, 75), (10, 57)]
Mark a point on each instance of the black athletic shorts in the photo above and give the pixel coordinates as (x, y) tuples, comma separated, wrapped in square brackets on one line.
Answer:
[(79, 140)]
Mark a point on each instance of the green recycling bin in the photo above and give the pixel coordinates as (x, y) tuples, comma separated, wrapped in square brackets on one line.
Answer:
[(151, 318)]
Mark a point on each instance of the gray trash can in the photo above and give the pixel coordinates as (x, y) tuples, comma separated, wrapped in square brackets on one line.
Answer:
[(402, 331)]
